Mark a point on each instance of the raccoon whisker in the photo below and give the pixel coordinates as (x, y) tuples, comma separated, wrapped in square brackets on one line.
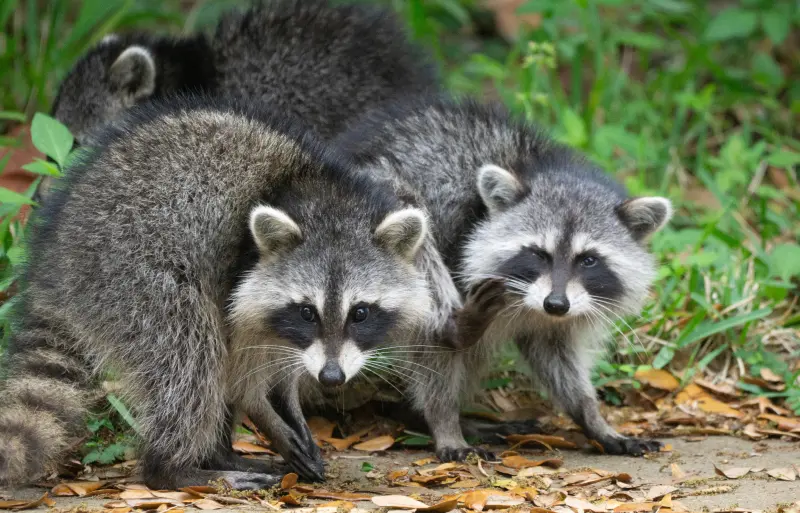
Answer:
[(411, 362), (371, 371), (611, 302), (614, 325), (621, 319), (399, 377), (271, 348), (387, 368), (271, 363), (291, 370), (635, 334), (393, 368)]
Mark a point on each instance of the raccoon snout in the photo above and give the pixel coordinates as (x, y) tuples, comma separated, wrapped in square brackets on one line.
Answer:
[(556, 304), (331, 374)]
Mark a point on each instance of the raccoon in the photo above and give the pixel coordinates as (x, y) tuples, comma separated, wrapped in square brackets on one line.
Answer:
[(195, 232), (552, 247), (321, 63)]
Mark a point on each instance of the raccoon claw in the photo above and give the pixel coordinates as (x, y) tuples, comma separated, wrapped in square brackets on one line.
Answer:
[(462, 453), (630, 446), (495, 432), (250, 480)]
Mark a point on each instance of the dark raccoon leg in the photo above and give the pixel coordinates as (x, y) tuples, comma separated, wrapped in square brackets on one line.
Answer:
[(560, 367), (436, 390), (46, 394), (485, 431), (224, 458), (470, 322), (282, 420), (488, 431)]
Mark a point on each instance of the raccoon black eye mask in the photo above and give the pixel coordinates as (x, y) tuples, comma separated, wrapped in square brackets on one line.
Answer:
[(550, 247)]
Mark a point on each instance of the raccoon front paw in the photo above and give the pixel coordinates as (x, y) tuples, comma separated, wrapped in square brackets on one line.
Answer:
[(305, 459), (250, 480), (484, 301), (630, 446), (462, 453)]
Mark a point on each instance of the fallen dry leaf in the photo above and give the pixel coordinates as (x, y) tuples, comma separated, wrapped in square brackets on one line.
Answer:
[(243, 447), (136, 494), (20, 505), (341, 444), (432, 479), (784, 423), (425, 461), (380, 443), (207, 504), (732, 473), (583, 505), (549, 441), (153, 503), (694, 395), (657, 378), (441, 507), (176, 496), (397, 501), (321, 427), (342, 496), (79, 488), (535, 471), (466, 483), (496, 501), (199, 491), (288, 481), (660, 491), (292, 499), (520, 462), (676, 471), (784, 474), (397, 474), (635, 506)]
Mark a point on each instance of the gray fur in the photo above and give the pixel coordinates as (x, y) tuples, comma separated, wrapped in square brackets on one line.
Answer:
[(507, 203), (323, 64), (143, 265)]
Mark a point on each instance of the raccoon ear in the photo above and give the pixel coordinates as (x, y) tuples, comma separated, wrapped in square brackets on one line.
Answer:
[(133, 74), (273, 230), (644, 216), (498, 188), (402, 232)]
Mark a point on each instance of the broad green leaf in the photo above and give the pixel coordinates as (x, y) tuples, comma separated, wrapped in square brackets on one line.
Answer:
[(14, 198), (776, 25), (731, 23), (784, 158), (766, 71), (51, 137), (574, 129), (15, 255), (784, 261), (42, 167)]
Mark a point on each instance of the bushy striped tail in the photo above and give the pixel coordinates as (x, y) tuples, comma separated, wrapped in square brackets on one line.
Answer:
[(44, 402)]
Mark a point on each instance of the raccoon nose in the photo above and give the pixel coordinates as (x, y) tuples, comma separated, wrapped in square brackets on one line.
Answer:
[(331, 375), (556, 304)]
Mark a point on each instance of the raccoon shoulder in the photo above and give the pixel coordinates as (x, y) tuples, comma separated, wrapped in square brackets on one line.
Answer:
[(327, 64)]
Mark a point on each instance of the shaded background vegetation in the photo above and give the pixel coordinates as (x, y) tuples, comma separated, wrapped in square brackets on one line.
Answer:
[(698, 101)]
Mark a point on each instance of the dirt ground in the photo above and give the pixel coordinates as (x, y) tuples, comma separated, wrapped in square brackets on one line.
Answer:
[(696, 459)]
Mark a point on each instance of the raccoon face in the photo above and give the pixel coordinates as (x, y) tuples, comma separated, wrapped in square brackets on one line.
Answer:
[(324, 296), (109, 79), (568, 245)]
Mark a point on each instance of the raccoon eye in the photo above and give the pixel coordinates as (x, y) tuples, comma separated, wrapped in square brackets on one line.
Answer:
[(307, 314), (589, 261), (360, 314)]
